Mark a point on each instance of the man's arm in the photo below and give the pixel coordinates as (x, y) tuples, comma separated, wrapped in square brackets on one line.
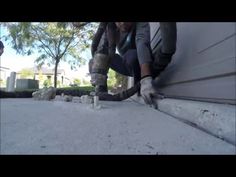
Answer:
[(144, 56), (97, 37), (111, 37), (143, 47)]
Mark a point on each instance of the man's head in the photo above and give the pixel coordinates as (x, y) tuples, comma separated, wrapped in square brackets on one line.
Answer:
[(1, 48), (124, 26)]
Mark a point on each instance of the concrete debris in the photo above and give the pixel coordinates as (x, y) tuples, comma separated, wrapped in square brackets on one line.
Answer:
[(86, 99), (58, 98), (68, 98), (76, 99), (96, 104), (95, 100), (45, 94)]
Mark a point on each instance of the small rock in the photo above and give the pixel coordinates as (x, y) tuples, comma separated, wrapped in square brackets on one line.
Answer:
[(86, 99), (76, 99), (68, 98), (58, 98)]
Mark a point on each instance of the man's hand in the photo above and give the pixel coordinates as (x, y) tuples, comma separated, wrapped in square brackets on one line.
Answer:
[(147, 91)]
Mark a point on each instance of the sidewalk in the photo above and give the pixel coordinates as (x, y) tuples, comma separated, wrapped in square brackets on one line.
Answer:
[(127, 127)]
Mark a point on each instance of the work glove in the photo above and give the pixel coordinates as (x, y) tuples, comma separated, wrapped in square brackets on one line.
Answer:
[(147, 91)]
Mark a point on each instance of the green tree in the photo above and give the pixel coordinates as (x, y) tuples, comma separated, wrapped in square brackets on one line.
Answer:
[(121, 80), (2, 83), (86, 83), (58, 83), (47, 83), (53, 41), (77, 82), (115, 79), (26, 73), (40, 77), (111, 81)]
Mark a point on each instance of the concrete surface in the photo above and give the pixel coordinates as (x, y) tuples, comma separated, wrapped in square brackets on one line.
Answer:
[(218, 119), (55, 127)]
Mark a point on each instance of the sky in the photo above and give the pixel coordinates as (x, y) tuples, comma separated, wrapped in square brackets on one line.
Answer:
[(16, 62)]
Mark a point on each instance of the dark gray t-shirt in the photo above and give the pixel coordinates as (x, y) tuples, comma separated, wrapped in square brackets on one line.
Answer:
[(138, 38), (142, 40)]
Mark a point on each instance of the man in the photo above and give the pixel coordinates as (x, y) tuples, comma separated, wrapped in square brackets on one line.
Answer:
[(1, 48), (133, 43)]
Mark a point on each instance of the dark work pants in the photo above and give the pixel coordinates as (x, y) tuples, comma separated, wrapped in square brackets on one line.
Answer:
[(127, 64)]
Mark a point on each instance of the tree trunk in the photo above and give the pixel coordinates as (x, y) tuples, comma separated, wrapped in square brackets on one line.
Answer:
[(55, 73)]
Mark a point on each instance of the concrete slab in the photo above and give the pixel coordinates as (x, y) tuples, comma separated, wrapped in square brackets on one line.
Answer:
[(217, 119), (54, 127)]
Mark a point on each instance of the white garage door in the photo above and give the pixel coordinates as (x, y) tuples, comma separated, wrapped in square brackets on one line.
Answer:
[(204, 65)]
